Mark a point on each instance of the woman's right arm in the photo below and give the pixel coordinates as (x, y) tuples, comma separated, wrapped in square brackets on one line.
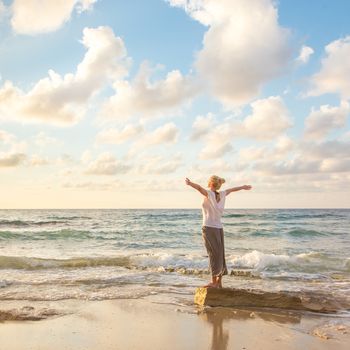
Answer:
[(196, 187), (235, 189)]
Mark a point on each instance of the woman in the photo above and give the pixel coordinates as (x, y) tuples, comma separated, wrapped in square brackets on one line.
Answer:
[(212, 230)]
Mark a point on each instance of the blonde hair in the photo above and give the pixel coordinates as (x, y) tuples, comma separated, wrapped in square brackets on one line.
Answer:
[(217, 181)]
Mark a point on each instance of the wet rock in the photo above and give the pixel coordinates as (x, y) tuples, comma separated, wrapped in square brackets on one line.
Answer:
[(257, 298)]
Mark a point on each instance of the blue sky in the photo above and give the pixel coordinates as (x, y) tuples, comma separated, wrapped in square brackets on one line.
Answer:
[(170, 89)]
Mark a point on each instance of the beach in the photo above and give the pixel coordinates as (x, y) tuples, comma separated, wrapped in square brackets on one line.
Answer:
[(151, 324), (126, 279)]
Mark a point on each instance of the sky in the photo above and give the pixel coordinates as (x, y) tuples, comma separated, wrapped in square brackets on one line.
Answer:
[(112, 104)]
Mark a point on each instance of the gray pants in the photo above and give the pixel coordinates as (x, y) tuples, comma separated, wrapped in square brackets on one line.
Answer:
[(214, 243)]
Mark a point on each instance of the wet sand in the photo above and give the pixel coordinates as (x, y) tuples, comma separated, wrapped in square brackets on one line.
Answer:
[(150, 324)]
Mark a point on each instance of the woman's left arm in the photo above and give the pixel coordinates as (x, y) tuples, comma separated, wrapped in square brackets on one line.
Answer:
[(197, 187), (235, 189)]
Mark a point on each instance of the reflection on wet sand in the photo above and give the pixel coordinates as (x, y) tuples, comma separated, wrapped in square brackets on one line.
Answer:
[(218, 315)]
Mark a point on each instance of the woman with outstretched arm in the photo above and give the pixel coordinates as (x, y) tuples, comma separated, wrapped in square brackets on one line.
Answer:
[(212, 229)]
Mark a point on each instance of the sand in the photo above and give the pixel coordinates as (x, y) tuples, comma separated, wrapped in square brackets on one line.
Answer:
[(150, 324)]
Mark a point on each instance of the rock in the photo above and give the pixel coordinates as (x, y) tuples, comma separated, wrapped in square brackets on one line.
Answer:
[(321, 334), (232, 297)]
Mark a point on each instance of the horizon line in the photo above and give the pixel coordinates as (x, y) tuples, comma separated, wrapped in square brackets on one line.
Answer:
[(160, 208)]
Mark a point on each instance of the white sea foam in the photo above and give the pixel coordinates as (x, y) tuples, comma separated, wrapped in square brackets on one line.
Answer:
[(162, 261), (309, 256), (259, 261), (169, 260)]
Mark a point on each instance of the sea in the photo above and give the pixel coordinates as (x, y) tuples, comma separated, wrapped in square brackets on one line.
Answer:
[(51, 255)]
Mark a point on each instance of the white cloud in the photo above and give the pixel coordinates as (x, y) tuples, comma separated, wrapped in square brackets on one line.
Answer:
[(11, 159), (13, 149), (37, 160), (37, 16), (268, 120), (115, 136), (279, 151), (296, 165), (201, 126), (6, 137), (86, 157), (93, 186), (64, 160), (160, 165), (305, 54), (335, 165), (165, 134), (251, 153), (334, 76), (153, 184), (64, 100), (43, 140), (283, 145), (2, 9), (215, 150), (309, 158), (243, 48), (107, 164), (145, 98), (327, 149), (217, 166), (301, 165), (345, 136), (320, 122), (85, 5)]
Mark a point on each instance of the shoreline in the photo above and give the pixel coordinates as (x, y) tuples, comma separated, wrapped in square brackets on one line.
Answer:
[(152, 323)]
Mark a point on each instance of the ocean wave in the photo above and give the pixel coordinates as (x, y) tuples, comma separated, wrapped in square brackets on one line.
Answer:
[(69, 217), (299, 232), (254, 262), (47, 235), (258, 260), (161, 262), (21, 223), (157, 263), (14, 223), (56, 294), (307, 215), (32, 263), (261, 261), (237, 215)]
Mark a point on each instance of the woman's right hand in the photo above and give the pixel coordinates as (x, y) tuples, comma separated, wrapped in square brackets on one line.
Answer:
[(187, 181)]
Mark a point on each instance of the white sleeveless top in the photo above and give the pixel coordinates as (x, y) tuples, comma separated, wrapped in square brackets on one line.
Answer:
[(213, 210)]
